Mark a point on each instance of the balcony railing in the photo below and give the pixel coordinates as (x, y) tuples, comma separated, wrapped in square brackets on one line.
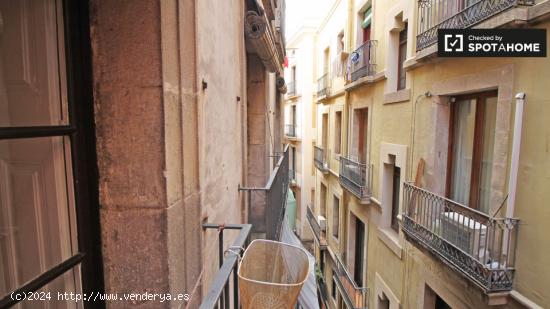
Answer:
[(291, 89), (322, 85), (267, 204), (354, 296), (443, 14), (318, 232), (355, 177), (226, 279), (363, 60), (290, 130), (323, 293), (321, 160), (478, 246)]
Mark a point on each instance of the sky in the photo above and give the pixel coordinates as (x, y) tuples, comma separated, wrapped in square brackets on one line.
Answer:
[(300, 11)]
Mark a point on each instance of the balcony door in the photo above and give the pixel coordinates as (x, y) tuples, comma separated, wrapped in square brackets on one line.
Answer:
[(49, 239), (359, 258), (360, 130), (470, 164), (324, 133)]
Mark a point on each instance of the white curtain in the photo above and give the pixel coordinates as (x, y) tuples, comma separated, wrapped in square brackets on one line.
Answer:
[(463, 142)]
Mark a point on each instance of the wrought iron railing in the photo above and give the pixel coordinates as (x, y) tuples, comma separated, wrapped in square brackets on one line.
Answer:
[(353, 295), (291, 89), (266, 205), (323, 292), (355, 177), (219, 294), (323, 85), (290, 130), (320, 159), (318, 232), (443, 14), (363, 60), (480, 247)]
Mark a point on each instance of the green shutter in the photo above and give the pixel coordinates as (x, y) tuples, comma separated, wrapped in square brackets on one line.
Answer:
[(367, 19)]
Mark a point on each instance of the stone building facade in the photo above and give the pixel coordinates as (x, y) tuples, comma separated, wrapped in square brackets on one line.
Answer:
[(431, 172)]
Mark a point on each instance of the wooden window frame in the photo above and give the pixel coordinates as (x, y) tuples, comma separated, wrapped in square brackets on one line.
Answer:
[(477, 155), (81, 133)]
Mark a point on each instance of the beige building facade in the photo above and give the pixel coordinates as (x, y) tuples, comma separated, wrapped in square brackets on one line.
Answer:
[(430, 171), (299, 132)]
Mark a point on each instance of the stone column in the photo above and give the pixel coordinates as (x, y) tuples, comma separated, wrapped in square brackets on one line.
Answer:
[(147, 148)]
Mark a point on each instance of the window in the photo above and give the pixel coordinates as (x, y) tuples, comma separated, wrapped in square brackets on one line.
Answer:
[(340, 42), (360, 134), (364, 20), (432, 300), (359, 252), (401, 75), (45, 119), (339, 64), (336, 217), (441, 304), (293, 160), (293, 115), (326, 60), (333, 288), (293, 73), (395, 198), (338, 132), (322, 262), (365, 24), (472, 133), (323, 201), (324, 133), (383, 302)]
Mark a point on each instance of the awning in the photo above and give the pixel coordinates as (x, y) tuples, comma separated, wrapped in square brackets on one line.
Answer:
[(367, 19)]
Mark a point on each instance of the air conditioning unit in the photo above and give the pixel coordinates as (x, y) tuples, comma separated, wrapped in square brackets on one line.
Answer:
[(322, 223), (463, 232)]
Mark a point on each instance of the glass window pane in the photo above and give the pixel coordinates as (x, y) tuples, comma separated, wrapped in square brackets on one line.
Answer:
[(463, 144), (489, 123), (37, 219), (32, 68)]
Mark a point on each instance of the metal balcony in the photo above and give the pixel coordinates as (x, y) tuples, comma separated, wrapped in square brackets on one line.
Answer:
[(290, 130), (354, 176), (438, 14), (291, 89), (219, 294), (354, 296), (266, 205), (363, 60), (322, 294), (477, 246), (321, 160), (323, 86), (318, 232)]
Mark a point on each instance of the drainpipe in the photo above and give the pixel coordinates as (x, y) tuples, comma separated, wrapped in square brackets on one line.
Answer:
[(516, 145)]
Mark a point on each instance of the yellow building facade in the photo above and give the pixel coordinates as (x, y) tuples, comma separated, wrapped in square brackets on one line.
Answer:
[(431, 172)]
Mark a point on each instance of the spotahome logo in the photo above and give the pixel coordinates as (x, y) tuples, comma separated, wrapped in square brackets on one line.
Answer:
[(491, 43)]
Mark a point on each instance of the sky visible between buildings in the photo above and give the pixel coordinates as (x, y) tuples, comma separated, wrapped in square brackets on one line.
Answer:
[(304, 12)]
